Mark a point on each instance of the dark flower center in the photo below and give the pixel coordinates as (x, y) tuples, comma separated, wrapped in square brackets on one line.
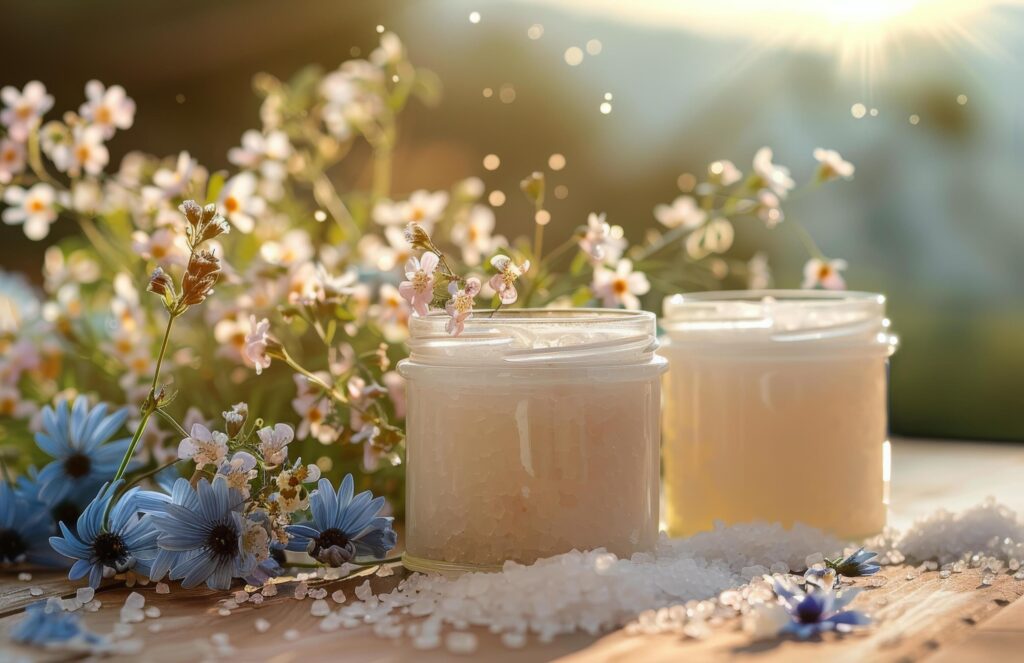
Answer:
[(12, 546), (110, 551), (77, 465), (331, 537), (809, 611), (223, 540), (66, 512)]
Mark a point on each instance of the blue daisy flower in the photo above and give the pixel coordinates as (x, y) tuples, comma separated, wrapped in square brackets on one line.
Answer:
[(181, 494), (858, 564), (127, 543), (818, 610), (47, 624), (25, 529), (343, 526), (209, 529), (75, 437), (66, 509)]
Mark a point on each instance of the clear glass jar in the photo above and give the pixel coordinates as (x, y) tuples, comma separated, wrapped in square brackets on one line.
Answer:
[(532, 433), (776, 410)]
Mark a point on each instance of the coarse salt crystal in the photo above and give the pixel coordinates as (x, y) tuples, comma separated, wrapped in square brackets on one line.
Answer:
[(24, 577), (338, 596), (301, 590), (85, 594), (135, 600), (460, 642), (163, 588), (256, 599), (513, 640), (291, 634), (262, 625), (364, 591), (320, 608), (35, 591), (241, 596), (152, 612), (269, 590)]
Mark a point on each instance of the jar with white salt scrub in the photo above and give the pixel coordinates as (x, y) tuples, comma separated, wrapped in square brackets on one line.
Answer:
[(533, 433), (776, 410)]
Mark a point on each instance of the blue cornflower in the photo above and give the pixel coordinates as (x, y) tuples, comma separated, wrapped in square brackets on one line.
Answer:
[(181, 494), (857, 564), (343, 526), (75, 436), (818, 610), (127, 543), (46, 623), (209, 531), (25, 528)]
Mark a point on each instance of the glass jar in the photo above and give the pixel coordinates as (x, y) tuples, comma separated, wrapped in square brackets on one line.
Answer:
[(533, 433), (776, 410)]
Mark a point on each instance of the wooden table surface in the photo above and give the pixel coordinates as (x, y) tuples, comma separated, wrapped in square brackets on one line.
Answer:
[(949, 620)]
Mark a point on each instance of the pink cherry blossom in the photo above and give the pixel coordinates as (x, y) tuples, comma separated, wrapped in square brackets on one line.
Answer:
[(418, 290), (504, 282), (460, 306)]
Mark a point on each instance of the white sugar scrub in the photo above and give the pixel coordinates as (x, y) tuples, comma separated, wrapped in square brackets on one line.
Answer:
[(533, 433), (775, 409), (686, 585)]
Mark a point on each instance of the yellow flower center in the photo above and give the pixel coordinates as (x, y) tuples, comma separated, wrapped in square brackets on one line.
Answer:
[(620, 287)]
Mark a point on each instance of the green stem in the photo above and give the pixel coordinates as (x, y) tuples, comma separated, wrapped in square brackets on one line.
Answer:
[(142, 477), (150, 405), (808, 241), (173, 422)]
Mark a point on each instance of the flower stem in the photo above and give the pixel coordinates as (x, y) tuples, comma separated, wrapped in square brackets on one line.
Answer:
[(150, 405), (172, 421)]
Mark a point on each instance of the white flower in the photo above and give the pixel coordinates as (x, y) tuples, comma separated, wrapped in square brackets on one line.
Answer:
[(389, 52), (239, 471), (294, 247), (621, 286), (423, 207), (274, 443), (392, 313), (473, 235), (833, 165), (257, 147), (724, 172), (204, 447), (173, 182), (714, 237), (86, 152), (759, 275), (773, 176), (603, 243), (34, 208), (255, 540), (23, 109), (161, 246), (12, 159), (768, 208), (12, 405), (256, 341), (683, 211), (239, 201), (313, 407), (824, 273), (109, 109)]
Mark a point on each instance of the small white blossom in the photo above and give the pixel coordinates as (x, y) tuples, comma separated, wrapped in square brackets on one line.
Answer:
[(12, 159), (239, 471), (35, 209), (620, 286), (460, 306), (239, 202), (714, 237), (172, 182), (773, 176), (274, 443), (833, 166), (683, 212), (473, 234), (203, 446), (603, 243), (423, 207), (257, 147), (109, 109), (22, 110), (825, 273), (86, 152), (504, 282), (255, 350), (724, 172)]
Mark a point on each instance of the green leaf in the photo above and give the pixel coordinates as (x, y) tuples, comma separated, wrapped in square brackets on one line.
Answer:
[(215, 185), (578, 263), (332, 327), (582, 296)]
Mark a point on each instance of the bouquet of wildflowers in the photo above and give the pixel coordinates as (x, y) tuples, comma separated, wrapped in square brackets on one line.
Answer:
[(315, 284)]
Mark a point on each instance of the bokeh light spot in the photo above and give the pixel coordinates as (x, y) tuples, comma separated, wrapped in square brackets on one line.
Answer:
[(573, 56), (858, 110), (556, 162), (594, 47), (496, 198), (491, 162)]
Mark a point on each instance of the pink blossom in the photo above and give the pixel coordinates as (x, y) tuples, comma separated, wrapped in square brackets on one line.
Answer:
[(255, 349), (504, 282), (419, 289), (460, 306)]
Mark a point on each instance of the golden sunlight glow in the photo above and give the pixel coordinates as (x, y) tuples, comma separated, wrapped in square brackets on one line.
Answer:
[(857, 32)]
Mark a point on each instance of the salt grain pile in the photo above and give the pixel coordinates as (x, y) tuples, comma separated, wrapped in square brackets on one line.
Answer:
[(692, 581)]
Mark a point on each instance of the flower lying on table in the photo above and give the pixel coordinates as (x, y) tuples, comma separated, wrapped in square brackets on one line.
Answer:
[(818, 610)]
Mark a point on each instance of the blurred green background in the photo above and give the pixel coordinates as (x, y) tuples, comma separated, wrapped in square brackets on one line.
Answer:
[(933, 218)]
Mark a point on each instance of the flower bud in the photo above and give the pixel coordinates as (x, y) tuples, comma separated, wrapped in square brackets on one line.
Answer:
[(193, 212), (533, 188), (235, 418), (215, 227), (200, 277), (160, 283), (418, 238)]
